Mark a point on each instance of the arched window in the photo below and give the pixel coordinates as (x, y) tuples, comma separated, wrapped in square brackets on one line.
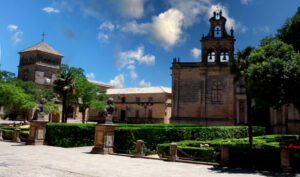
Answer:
[(211, 55), (217, 32), (224, 55)]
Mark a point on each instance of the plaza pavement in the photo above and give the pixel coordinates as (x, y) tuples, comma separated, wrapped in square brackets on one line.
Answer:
[(19, 160)]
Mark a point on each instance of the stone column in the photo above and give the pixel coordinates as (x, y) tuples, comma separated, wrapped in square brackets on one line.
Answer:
[(139, 148), (37, 133), (173, 152), (1, 137), (285, 160), (224, 156), (16, 137), (104, 139)]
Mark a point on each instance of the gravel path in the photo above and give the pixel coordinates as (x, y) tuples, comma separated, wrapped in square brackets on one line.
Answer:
[(39, 161)]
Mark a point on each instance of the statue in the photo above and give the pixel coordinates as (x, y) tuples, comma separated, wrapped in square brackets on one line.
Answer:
[(39, 111), (108, 111)]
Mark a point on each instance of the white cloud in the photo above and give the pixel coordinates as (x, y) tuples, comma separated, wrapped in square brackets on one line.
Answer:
[(50, 10), (165, 29), (118, 81), (135, 28), (132, 67), (103, 37), (261, 29), (142, 83), (245, 2), (133, 74), (132, 8), (107, 26), (12, 27), (131, 57), (191, 9), (90, 76), (195, 53)]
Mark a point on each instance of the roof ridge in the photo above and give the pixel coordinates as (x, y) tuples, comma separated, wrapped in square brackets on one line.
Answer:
[(43, 47)]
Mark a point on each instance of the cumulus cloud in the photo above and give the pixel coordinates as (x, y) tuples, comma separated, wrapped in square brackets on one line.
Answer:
[(132, 8), (131, 57), (118, 81), (102, 37), (12, 27), (51, 10), (16, 36), (142, 83), (191, 9), (107, 26), (130, 67), (90, 76), (165, 29), (195, 53), (133, 74)]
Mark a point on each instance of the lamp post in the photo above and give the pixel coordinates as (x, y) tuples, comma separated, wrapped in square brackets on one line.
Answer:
[(145, 104)]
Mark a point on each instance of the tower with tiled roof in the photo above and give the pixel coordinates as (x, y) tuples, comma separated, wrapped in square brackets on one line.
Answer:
[(39, 64)]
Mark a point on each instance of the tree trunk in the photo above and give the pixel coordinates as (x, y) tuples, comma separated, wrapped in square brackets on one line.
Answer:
[(250, 120), (50, 117), (64, 108), (83, 115)]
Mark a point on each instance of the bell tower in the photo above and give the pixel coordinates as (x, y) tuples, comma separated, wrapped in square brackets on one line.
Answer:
[(218, 45)]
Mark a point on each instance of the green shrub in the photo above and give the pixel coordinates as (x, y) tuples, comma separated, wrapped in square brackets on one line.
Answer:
[(8, 134), (126, 137), (70, 135)]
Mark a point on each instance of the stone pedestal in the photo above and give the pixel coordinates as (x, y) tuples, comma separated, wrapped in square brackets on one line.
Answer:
[(37, 133), (104, 139), (224, 156), (139, 148), (285, 160), (1, 137), (173, 152), (16, 137)]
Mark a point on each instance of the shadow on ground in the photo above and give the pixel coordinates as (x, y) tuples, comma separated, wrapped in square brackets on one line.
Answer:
[(247, 171)]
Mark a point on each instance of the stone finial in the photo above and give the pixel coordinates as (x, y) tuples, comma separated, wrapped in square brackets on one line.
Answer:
[(173, 152), (215, 14), (1, 137), (139, 148), (220, 13), (231, 32), (16, 137)]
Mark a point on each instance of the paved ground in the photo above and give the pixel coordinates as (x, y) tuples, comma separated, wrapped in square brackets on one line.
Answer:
[(39, 161)]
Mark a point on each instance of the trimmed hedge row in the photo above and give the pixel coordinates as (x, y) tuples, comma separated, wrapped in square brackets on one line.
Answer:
[(70, 134), (126, 137), (265, 155), (8, 134)]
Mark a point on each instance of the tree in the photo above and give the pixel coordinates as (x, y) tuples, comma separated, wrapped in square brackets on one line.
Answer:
[(290, 31), (65, 86), (88, 95), (51, 108), (274, 75), (239, 69), (11, 95)]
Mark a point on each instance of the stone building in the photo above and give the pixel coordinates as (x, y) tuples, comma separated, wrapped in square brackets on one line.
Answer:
[(141, 105), (205, 92), (39, 64)]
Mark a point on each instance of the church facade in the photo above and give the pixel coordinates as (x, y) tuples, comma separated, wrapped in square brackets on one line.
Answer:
[(205, 92)]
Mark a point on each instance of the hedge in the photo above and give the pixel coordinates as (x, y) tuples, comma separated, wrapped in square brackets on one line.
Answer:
[(265, 154), (126, 137), (70, 134), (8, 132)]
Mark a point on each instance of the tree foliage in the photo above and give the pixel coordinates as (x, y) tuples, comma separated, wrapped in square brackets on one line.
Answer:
[(290, 31), (273, 74)]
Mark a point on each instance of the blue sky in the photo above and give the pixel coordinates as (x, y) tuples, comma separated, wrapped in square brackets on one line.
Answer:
[(131, 43)]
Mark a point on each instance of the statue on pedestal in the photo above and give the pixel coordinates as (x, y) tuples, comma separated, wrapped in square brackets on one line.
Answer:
[(39, 111), (108, 111)]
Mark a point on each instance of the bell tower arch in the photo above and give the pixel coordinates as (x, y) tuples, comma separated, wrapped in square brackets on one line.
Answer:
[(218, 45)]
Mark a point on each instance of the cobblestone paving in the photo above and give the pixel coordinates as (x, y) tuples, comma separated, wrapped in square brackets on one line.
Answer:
[(18, 160)]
